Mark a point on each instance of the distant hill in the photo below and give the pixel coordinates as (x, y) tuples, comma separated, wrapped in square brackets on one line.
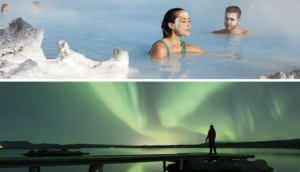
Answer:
[(25, 144), (293, 143)]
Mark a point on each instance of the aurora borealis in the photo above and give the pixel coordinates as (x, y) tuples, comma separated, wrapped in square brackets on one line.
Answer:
[(146, 113)]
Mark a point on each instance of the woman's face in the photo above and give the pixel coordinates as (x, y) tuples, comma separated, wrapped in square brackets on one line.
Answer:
[(182, 23)]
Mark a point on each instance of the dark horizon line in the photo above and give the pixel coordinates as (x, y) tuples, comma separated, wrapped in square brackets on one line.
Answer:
[(156, 145)]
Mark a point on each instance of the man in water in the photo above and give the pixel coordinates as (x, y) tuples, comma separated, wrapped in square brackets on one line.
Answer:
[(211, 136), (232, 19), (35, 6), (4, 9)]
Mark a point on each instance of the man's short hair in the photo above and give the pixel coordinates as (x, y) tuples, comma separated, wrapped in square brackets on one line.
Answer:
[(36, 3), (234, 9)]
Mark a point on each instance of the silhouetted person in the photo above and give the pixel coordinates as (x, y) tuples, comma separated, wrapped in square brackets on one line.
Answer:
[(35, 6), (211, 137), (4, 8)]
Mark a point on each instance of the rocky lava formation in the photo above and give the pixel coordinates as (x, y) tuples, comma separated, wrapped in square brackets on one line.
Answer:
[(21, 57)]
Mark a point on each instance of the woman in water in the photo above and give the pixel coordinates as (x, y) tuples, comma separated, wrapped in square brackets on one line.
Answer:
[(176, 24)]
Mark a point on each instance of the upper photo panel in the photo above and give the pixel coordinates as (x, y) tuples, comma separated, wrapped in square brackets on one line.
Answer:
[(149, 39)]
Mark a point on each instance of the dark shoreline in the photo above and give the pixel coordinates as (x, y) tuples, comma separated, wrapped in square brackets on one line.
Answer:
[(280, 144), (146, 147)]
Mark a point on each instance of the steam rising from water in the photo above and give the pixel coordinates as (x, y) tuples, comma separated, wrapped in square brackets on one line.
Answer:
[(269, 16), (272, 17)]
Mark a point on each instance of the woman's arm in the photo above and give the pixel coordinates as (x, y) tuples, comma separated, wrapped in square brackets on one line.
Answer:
[(193, 49), (224, 55)]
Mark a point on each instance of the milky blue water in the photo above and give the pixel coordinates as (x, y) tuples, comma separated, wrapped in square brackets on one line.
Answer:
[(95, 28), (282, 160)]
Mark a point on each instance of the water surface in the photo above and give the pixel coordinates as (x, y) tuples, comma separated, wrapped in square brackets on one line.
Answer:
[(283, 160)]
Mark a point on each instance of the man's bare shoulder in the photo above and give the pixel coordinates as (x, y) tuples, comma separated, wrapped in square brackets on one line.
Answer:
[(246, 32), (219, 31)]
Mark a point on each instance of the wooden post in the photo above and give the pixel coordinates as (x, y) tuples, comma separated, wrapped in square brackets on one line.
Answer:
[(100, 168), (164, 166), (34, 169), (93, 168), (181, 165)]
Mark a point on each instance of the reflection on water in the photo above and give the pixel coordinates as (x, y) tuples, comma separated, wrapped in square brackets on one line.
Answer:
[(234, 45), (283, 160), (171, 67), (3, 15)]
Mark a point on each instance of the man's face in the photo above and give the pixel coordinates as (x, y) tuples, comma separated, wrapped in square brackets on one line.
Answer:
[(231, 21)]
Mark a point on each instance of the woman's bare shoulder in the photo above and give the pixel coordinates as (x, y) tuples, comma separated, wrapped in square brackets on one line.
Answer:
[(158, 50)]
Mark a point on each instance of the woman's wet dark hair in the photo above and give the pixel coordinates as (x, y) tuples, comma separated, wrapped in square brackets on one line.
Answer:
[(3, 6), (169, 18), (212, 127)]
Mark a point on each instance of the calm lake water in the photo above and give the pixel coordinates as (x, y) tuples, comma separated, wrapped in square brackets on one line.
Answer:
[(95, 28), (283, 160)]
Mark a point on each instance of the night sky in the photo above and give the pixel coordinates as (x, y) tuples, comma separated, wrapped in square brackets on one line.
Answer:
[(146, 113)]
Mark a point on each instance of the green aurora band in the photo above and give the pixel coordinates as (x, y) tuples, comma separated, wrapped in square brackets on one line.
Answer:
[(191, 107)]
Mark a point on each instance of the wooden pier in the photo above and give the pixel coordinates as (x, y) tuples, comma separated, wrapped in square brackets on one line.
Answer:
[(96, 162)]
